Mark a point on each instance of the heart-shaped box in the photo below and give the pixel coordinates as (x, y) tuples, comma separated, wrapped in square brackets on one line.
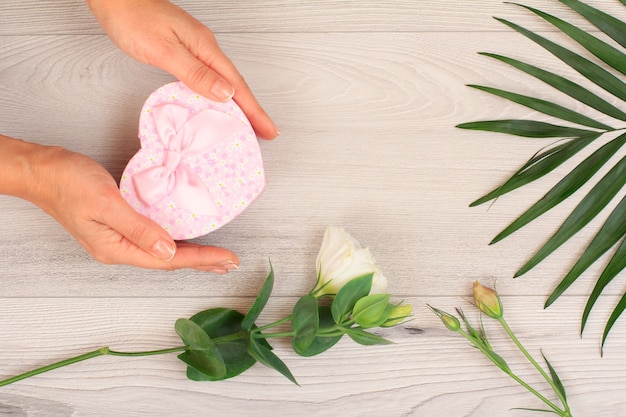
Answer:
[(199, 165)]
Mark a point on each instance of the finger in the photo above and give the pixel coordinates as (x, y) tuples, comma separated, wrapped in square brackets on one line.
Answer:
[(203, 258), (198, 76), (207, 258), (203, 47), (139, 230)]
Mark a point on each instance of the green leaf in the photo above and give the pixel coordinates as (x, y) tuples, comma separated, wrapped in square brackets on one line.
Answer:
[(568, 186), (347, 296), (526, 128), (498, 361), (602, 50), (545, 107), (536, 410), (565, 86), (304, 322), (372, 310), (366, 338), (555, 378), (192, 335), (539, 165), (220, 322), (619, 309), (259, 302), (322, 343), (585, 67), (587, 209), (613, 230), (613, 27), (614, 267), (203, 355), (268, 358)]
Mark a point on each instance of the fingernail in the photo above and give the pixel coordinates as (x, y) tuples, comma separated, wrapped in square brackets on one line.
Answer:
[(228, 265), (222, 90), (164, 250), (220, 271)]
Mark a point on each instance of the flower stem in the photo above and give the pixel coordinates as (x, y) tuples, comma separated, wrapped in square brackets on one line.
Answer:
[(65, 362), (229, 338), (271, 335), (532, 360), (274, 324), (517, 379), (99, 352), (146, 353)]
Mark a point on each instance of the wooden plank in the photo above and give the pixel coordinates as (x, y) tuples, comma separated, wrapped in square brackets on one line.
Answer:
[(428, 371), (73, 16)]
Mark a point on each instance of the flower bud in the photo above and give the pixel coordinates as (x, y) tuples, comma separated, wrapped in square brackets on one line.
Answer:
[(448, 320), (398, 315), (487, 301)]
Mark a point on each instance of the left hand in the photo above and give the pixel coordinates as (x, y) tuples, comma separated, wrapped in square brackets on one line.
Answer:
[(83, 197), (161, 34)]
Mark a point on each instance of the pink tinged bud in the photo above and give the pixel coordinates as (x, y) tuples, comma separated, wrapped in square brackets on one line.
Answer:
[(487, 301)]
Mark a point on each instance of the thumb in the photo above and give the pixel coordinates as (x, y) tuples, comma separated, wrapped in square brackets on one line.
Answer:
[(141, 231)]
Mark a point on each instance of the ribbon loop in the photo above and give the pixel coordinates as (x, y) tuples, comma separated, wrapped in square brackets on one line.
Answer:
[(183, 137)]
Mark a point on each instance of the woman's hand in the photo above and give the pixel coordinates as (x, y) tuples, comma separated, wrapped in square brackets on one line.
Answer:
[(84, 198), (161, 34)]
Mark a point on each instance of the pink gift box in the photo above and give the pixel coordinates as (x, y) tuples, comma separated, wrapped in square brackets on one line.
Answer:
[(199, 165)]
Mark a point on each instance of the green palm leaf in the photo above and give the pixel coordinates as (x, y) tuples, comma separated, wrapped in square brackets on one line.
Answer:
[(546, 107), (608, 24), (586, 211), (573, 140), (590, 70), (569, 185), (526, 128), (539, 165), (565, 86), (602, 50), (611, 232)]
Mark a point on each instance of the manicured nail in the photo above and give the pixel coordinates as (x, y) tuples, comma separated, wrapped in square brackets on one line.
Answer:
[(220, 271), (222, 91), (228, 265), (164, 250)]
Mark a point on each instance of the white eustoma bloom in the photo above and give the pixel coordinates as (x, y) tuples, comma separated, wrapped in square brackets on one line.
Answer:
[(342, 258)]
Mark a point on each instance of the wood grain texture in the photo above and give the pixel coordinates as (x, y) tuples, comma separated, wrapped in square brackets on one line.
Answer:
[(366, 102), (301, 16)]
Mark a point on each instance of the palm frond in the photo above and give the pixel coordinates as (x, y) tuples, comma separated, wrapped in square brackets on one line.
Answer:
[(565, 86), (608, 24), (568, 186), (606, 74)]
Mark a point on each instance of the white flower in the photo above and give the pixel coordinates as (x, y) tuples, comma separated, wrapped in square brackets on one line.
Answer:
[(341, 259)]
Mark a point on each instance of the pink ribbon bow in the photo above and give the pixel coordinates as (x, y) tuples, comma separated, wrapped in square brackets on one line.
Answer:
[(183, 137)]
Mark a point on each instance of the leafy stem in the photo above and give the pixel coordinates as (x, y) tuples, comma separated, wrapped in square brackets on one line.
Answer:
[(532, 360), (502, 365)]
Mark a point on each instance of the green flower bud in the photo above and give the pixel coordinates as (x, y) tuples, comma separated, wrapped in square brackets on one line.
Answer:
[(398, 315), (448, 320)]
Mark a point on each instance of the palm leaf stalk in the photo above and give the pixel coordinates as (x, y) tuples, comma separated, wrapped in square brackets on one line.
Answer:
[(607, 70)]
